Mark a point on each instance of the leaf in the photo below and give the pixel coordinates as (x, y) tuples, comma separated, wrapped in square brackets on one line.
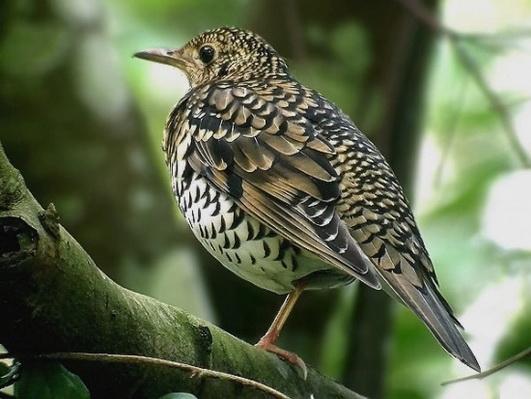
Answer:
[(4, 375), (9, 374), (178, 395), (49, 380), (517, 337)]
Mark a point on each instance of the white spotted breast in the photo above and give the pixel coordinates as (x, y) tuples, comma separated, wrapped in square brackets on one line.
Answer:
[(240, 242)]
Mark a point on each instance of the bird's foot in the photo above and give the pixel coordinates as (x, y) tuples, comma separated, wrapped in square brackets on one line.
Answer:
[(290, 357)]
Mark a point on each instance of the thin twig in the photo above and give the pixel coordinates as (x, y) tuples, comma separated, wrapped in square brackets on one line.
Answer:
[(492, 46), (470, 64), (419, 11), (498, 367), (510, 35), (146, 360), (452, 133)]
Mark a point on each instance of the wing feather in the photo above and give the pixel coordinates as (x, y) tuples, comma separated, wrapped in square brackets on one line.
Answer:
[(277, 170), (296, 163), (379, 217)]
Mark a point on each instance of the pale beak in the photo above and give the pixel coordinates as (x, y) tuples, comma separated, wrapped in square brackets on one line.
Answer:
[(164, 56)]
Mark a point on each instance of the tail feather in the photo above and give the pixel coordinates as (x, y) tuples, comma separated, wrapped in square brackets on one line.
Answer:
[(428, 304), (442, 324)]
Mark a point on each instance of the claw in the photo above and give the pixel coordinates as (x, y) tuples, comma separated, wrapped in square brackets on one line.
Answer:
[(290, 357)]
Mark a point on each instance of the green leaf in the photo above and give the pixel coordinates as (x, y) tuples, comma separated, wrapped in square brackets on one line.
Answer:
[(49, 380), (178, 395), (517, 337), (9, 374), (4, 369)]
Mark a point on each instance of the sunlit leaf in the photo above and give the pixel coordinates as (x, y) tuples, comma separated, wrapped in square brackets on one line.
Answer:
[(9, 374), (517, 338)]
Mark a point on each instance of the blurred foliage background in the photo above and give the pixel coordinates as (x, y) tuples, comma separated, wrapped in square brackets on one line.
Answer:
[(83, 121)]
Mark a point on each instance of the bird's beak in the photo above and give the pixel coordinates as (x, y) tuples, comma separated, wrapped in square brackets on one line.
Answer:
[(164, 56)]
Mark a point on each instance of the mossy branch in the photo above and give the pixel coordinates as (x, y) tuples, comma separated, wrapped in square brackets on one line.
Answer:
[(53, 298)]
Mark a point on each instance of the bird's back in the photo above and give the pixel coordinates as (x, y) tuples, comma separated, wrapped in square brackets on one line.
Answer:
[(374, 207)]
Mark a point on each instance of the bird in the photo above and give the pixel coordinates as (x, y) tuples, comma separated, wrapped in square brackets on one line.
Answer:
[(283, 189)]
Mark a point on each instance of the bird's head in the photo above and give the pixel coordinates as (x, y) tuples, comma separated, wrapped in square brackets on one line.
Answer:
[(220, 54)]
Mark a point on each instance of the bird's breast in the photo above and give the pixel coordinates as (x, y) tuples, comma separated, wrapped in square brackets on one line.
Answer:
[(239, 241)]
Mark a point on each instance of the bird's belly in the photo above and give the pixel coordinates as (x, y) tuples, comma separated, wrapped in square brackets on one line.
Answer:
[(247, 247)]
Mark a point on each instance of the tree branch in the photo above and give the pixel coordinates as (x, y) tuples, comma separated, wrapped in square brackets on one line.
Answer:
[(507, 362), (146, 360), (54, 299)]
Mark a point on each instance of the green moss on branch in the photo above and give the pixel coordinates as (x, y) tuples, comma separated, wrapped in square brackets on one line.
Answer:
[(53, 298)]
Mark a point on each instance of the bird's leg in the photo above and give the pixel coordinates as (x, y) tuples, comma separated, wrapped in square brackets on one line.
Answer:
[(267, 342), (271, 336)]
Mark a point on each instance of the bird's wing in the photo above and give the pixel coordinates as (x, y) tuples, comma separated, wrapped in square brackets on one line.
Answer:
[(258, 149), (380, 220)]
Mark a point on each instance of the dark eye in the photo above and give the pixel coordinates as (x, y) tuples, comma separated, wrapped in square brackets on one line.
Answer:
[(206, 54)]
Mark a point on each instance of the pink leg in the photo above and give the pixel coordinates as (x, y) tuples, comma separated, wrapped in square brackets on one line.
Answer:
[(267, 342)]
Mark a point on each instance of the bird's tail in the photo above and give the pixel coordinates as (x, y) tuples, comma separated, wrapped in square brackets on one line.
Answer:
[(428, 304)]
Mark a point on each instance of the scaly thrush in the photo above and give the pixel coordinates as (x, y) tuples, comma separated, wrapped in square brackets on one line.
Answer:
[(282, 188)]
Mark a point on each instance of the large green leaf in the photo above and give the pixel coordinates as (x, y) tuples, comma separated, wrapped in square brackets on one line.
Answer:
[(49, 380)]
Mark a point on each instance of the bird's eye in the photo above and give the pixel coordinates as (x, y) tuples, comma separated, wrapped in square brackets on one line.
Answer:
[(206, 54)]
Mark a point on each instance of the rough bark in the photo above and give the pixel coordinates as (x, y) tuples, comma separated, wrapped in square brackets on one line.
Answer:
[(53, 298)]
